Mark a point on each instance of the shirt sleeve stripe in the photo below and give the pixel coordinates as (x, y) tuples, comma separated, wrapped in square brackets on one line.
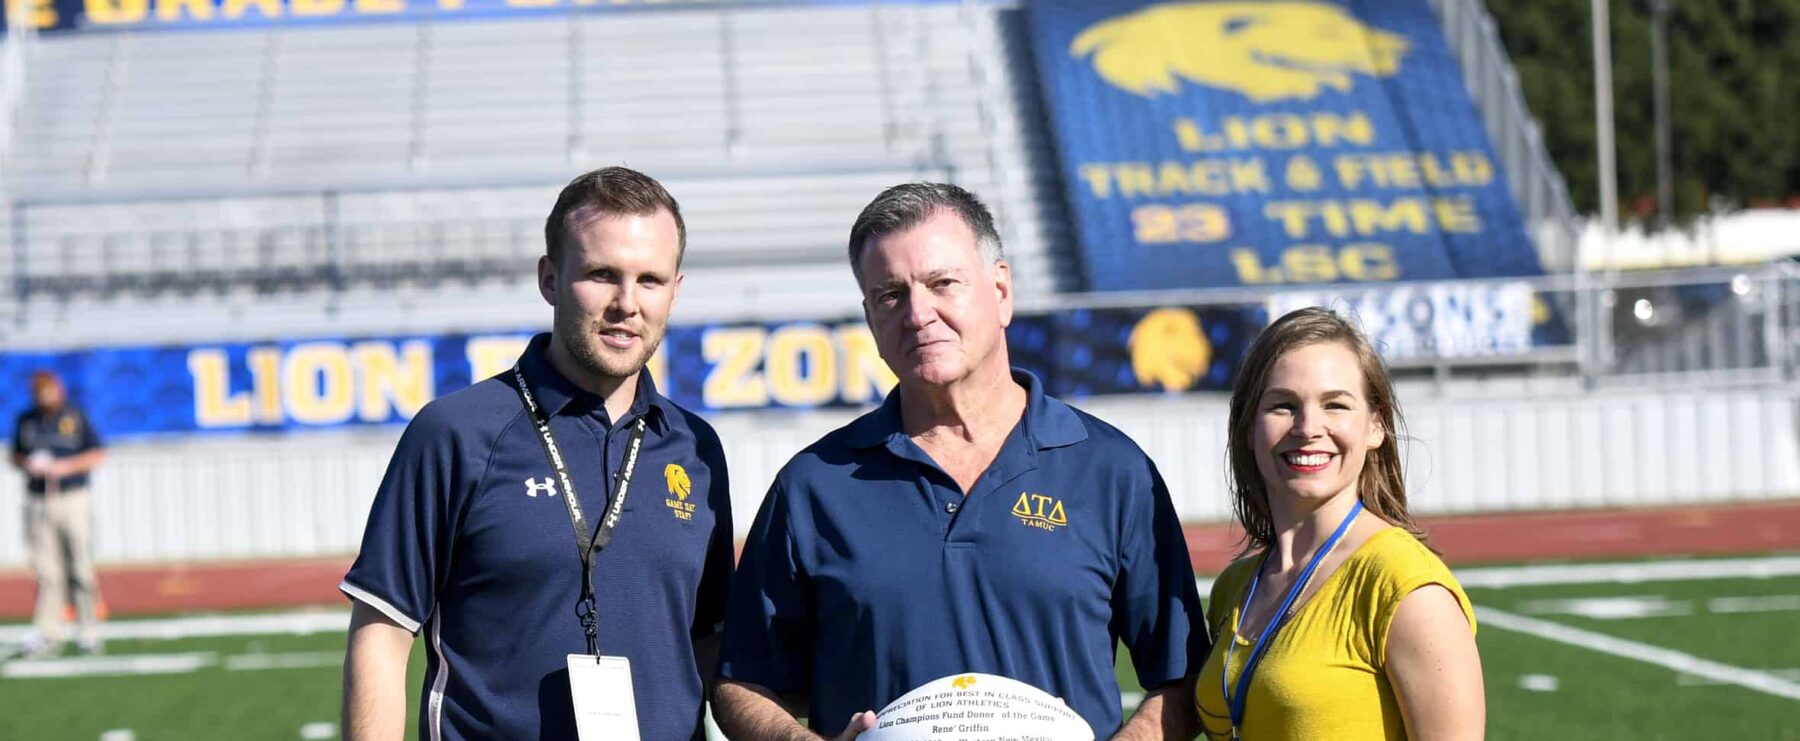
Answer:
[(364, 596)]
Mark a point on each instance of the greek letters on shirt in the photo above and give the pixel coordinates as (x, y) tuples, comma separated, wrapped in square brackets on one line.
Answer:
[(1040, 511)]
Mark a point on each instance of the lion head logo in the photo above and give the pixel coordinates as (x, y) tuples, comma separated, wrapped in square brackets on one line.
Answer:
[(1169, 349), (679, 485), (963, 682), (1266, 51)]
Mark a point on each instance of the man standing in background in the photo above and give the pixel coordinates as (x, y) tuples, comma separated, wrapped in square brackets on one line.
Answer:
[(56, 447)]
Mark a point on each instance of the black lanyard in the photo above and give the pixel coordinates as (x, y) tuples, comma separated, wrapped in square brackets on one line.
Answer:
[(588, 546)]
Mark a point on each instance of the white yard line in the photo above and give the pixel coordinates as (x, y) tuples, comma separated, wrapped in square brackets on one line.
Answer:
[(1624, 607), (108, 666), (305, 622), (172, 663), (1501, 577), (1761, 603), (296, 660), (1611, 607), (1628, 573), (317, 731), (1689, 680), (1668, 658)]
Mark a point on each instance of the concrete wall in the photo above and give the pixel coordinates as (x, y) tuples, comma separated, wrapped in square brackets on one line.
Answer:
[(1473, 448)]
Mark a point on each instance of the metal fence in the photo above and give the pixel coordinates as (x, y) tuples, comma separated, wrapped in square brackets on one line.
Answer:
[(1471, 446), (1727, 325), (1661, 389), (1492, 81)]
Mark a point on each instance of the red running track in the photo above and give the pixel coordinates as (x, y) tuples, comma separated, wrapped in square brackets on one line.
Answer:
[(1574, 536), (1494, 538)]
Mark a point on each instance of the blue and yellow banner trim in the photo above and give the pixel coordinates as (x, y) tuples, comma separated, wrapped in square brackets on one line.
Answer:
[(335, 382), (331, 382)]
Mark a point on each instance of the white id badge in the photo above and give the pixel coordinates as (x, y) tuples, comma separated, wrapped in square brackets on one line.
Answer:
[(605, 707)]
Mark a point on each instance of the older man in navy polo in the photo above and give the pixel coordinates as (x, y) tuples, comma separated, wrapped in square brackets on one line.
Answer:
[(970, 524), (469, 541)]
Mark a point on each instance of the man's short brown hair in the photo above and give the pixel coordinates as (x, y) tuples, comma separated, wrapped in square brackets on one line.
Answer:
[(606, 192), (44, 378)]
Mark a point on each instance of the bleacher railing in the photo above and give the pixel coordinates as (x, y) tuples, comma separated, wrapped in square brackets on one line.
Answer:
[(21, 31), (1721, 325), (1542, 195)]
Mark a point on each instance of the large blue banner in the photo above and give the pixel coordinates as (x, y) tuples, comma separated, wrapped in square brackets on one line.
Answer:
[(1251, 143), (102, 15), (335, 381)]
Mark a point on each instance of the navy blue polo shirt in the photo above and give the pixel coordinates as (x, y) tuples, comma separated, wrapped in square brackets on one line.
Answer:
[(63, 433), (868, 572), (469, 542)]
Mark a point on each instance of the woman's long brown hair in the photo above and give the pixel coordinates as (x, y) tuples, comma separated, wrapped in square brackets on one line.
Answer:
[(1381, 485)]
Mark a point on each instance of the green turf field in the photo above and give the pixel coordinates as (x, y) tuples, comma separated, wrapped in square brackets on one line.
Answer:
[(1745, 624), (1624, 668)]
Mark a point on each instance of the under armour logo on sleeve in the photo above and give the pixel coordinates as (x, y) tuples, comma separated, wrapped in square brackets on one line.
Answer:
[(532, 487)]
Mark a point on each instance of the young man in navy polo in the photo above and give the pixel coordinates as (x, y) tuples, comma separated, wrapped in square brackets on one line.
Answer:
[(469, 541), (971, 524)]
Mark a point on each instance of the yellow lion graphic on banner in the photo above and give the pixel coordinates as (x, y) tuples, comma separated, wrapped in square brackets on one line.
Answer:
[(1169, 349), (1267, 51)]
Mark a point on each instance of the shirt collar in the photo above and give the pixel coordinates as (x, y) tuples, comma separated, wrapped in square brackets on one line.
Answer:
[(1049, 423), (39, 414), (554, 393)]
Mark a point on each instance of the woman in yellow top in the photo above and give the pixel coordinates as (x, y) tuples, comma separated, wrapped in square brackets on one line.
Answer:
[(1350, 626)]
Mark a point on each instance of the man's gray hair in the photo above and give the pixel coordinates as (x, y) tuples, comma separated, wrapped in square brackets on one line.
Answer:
[(905, 206)]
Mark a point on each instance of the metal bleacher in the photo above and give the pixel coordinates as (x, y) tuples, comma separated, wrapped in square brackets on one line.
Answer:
[(187, 179), (1720, 320)]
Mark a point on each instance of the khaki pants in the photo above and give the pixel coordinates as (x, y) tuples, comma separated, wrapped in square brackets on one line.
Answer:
[(59, 530)]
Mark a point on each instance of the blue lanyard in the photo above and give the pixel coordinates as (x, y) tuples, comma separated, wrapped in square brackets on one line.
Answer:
[(1238, 702)]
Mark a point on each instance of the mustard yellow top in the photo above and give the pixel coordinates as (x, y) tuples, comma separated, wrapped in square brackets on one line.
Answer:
[(1323, 676)]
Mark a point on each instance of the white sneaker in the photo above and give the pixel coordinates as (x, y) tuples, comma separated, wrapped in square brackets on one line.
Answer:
[(34, 646), (90, 646)]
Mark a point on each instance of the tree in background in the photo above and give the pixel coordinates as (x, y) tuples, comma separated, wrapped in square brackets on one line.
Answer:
[(1734, 89)]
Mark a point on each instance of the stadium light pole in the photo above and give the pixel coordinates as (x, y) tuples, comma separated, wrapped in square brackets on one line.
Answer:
[(1603, 123), (1600, 328)]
